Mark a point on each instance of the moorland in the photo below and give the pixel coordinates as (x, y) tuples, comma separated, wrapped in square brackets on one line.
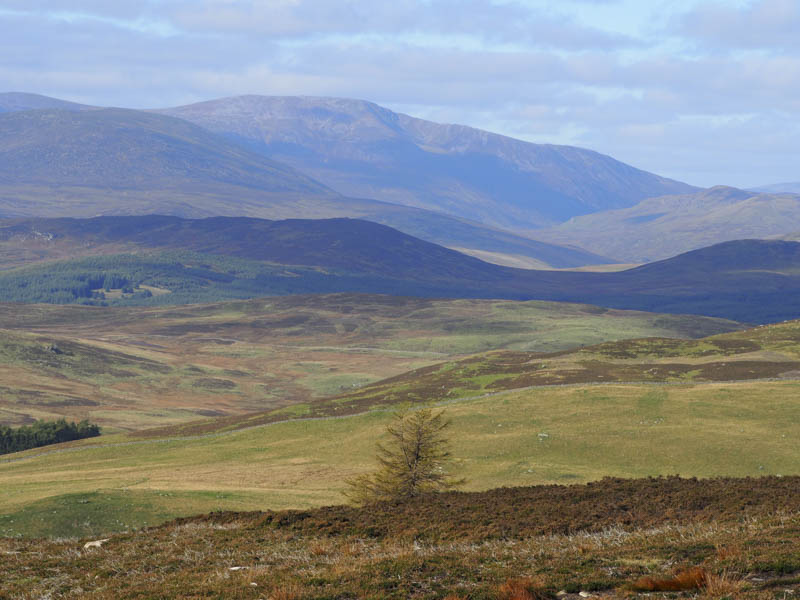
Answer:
[(129, 368), (633, 409), (242, 294), (734, 537)]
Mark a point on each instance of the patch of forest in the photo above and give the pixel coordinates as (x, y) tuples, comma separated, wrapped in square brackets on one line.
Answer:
[(44, 433)]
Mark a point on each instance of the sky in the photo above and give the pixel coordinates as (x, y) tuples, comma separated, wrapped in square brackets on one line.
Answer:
[(703, 91)]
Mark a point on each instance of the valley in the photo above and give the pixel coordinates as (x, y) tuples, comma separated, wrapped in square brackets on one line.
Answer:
[(133, 368), (659, 228)]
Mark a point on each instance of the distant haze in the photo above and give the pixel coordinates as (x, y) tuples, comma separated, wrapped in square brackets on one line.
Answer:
[(700, 91)]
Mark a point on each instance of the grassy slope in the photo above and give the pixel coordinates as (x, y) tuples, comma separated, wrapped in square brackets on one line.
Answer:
[(468, 544), (566, 434), (765, 353), (131, 368), (519, 436)]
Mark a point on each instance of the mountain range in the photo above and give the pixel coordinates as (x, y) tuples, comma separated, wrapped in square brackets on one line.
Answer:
[(84, 162), (791, 187), (365, 150), (505, 201)]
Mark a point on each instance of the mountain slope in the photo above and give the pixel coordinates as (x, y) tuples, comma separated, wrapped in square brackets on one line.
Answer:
[(661, 227), (17, 101), (115, 364), (128, 150), (218, 258), (364, 150), (115, 161)]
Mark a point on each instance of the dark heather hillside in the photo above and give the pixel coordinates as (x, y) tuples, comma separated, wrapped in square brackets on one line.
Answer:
[(115, 161), (349, 245), (364, 150), (748, 280), (661, 227)]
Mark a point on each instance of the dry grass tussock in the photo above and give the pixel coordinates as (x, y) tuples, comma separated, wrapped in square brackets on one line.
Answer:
[(526, 588), (724, 585), (693, 578)]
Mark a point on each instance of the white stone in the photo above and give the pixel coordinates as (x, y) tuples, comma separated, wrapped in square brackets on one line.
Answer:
[(95, 544)]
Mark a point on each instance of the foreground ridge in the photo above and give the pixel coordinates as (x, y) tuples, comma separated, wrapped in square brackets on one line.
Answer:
[(603, 538)]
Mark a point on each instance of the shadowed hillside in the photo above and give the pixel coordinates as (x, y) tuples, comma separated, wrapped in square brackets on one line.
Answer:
[(225, 258)]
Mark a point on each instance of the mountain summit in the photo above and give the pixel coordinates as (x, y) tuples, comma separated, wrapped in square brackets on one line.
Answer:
[(364, 150)]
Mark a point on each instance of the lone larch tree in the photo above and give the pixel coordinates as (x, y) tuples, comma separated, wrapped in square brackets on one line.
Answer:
[(412, 462)]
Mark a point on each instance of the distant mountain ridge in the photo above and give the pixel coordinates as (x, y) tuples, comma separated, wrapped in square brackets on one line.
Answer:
[(748, 280), (17, 101), (364, 150), (127, 149), (658, 228), (790, 187)]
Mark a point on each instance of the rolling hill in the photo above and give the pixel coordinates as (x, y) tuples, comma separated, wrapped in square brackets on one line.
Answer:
[(187, 260), (348, 244), (83, 163), (658, 228), (765, 354), (135, 367), (511, 426), (364, 150)]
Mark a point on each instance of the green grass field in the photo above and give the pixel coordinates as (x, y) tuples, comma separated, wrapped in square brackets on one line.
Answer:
[(547, 435)]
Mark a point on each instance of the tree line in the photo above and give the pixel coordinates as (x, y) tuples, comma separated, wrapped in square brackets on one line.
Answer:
[(44, 433)]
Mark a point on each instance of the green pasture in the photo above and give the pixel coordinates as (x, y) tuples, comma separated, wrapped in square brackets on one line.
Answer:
[(546, 435)]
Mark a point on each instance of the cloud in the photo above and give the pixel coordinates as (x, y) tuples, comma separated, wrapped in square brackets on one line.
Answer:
[(508, 22), (722, 75), (762, 24)]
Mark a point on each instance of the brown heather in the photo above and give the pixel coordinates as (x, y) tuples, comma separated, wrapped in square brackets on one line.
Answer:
[(512, 546)]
